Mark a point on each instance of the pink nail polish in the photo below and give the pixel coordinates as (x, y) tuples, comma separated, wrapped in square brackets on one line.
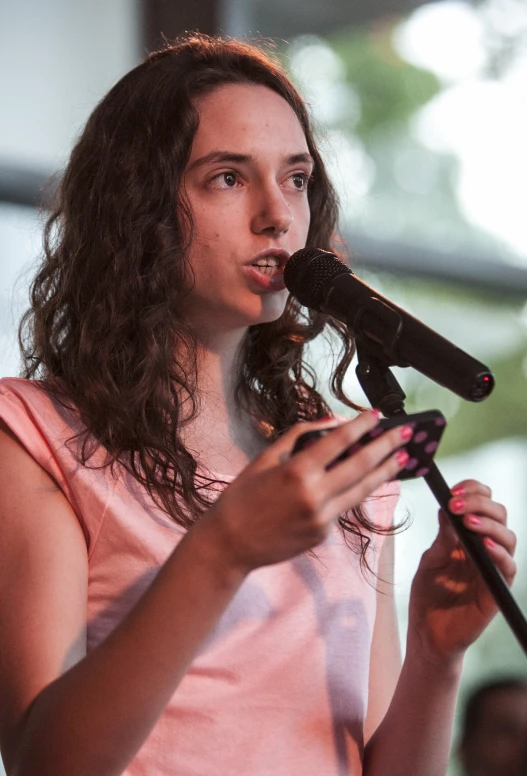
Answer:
[(377, 413), (489, 542), (406, 432), (402, 457), (459, 490), (474, 520), (457, 505)]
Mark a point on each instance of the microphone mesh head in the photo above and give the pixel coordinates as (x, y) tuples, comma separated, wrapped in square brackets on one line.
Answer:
[(307, 272)]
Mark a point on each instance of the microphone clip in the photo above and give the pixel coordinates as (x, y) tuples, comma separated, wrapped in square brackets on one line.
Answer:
[(378, 382)]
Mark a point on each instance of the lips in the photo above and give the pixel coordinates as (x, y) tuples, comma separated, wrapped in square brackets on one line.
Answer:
[(265, 271)]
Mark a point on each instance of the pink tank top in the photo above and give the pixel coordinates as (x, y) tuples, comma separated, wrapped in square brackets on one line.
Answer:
[(281, 686)]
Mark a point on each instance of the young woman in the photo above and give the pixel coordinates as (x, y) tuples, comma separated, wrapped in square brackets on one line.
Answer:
[(178, 593)]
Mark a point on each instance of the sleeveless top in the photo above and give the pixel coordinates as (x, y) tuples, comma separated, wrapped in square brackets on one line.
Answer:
[(281, 686)]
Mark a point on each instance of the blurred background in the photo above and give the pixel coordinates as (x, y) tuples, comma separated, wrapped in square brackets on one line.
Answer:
[(421, 109)]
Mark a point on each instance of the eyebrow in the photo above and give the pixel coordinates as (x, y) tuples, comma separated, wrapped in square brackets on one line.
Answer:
[(230, 157)]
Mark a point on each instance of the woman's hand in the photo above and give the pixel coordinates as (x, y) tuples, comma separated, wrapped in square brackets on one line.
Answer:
[(282, 505), (450, 604)]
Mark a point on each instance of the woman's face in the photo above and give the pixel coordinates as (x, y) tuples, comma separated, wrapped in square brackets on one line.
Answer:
[(246, 182)]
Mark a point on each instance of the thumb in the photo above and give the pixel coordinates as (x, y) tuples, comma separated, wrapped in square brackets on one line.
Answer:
[(280, 450), (447, 538)]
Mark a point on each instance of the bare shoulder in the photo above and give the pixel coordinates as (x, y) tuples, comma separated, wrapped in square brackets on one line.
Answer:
[(43, 583)]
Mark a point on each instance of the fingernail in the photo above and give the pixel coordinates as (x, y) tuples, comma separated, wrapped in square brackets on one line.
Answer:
[(401, 457), (406, 432), (377, 413), (457, 505), (474, 520), (321, 420), (459, 490), (489, 542)]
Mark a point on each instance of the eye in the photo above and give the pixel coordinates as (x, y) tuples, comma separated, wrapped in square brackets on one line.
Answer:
[(225, 180), (300, 181)]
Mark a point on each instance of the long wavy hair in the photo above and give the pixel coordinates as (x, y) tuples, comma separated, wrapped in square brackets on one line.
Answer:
[(106, 331)]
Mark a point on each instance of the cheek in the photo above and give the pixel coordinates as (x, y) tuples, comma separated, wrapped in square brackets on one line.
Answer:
[(207, 234), (216, 226), (301, 225), (303, 216)]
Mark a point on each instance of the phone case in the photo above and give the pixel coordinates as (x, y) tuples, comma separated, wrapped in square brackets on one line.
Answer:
[(421, 448)]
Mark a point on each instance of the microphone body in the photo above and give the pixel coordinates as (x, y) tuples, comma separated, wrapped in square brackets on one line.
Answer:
[(319, 280)]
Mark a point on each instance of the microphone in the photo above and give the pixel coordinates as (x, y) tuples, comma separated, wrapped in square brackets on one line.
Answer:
[(319, 280)]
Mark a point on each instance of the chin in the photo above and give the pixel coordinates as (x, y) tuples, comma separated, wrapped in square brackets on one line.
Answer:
[(268, 316), (272, 307)]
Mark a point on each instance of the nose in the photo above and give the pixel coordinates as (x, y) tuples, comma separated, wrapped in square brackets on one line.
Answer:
[(272, 214)]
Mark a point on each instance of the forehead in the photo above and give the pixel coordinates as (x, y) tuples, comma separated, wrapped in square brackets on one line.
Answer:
[(247, 117)]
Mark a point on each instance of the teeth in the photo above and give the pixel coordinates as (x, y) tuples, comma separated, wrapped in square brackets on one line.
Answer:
[(266, 269), (270, 261)]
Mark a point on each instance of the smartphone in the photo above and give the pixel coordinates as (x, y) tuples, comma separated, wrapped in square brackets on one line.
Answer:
[(421, 447)]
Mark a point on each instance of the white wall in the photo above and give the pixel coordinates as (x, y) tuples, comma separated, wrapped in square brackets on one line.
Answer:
[(57, 59)]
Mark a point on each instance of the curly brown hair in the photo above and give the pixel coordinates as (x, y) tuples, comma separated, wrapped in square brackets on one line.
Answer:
[(106, 330)]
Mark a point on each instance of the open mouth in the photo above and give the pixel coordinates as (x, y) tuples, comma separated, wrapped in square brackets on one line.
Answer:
[(268, 266)]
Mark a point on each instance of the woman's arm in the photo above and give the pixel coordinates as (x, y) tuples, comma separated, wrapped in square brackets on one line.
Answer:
[(62, 711), (385, 656), (449, 607)]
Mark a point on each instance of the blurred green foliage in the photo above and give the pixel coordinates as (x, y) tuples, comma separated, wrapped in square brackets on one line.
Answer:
[(390, 92), (501, 415), (390, 89)]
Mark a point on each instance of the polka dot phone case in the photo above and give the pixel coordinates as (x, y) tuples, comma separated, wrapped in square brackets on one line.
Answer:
[(421, 447)]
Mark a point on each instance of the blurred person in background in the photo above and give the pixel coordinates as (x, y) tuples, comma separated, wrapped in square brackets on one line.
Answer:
[(494, 734)]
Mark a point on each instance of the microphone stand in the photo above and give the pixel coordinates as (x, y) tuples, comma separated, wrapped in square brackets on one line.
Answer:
[(384, 392)]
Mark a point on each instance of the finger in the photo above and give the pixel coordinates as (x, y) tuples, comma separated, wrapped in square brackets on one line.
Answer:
[(280, 451), (361, 464), (493, 530), (502, 558), (469, 487), (445, 543), (479, 505), (323, 452), (353, 494), (447, 536)]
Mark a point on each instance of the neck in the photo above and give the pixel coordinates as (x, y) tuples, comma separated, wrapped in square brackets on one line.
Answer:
[(218, 370), (222, 437)]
